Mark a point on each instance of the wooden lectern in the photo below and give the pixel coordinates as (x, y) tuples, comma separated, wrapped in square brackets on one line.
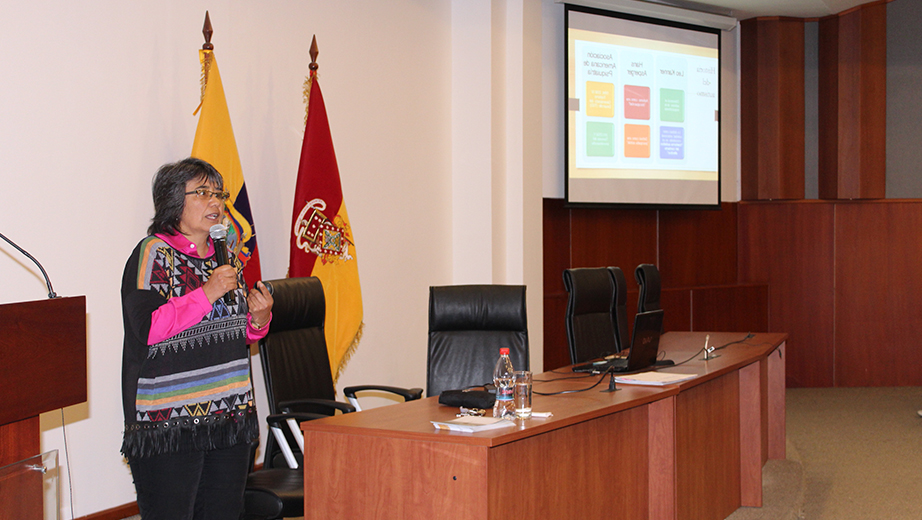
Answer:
[(42, 368)]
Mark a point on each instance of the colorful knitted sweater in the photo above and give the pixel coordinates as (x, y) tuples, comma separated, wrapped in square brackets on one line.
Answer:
[(191, 391)]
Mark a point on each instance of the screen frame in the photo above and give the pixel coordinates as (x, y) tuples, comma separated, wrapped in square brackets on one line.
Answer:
[(716, 205)]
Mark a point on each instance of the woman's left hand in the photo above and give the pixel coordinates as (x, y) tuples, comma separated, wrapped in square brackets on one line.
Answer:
[(260, 303)]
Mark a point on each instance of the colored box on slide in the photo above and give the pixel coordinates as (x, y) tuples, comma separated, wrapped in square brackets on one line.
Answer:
[(637, 141), (600, 139), (671, 142), (672, 105), (600, 99), (636, 102)]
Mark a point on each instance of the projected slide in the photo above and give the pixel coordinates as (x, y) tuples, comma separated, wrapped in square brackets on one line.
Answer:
[(643, 105)]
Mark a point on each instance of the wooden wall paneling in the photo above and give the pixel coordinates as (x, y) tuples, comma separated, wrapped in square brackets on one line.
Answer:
[(698, 247), (676, 304), (873, 106), (772, 108), (790, 246), (607, 237), (828, 107), (556, 235), (677, 309), (749, 109), (556, 348), (878, 287), (791, 98), (741, 308), (860, 120)]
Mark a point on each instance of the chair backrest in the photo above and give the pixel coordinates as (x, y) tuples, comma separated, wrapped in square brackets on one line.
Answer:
[(293, 354), (620, 312), (467, 326), (647, 276), (596, 303)]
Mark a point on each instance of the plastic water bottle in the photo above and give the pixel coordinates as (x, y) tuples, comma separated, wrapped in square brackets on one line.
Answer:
[(503, 380)]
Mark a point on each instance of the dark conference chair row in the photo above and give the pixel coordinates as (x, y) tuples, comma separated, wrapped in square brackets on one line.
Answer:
[(467, 326), (596, 316)]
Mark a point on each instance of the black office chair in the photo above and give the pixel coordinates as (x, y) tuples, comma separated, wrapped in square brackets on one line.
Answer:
[(467, 326), (647, 277), (299, 386), (620, 312), (596, 317)]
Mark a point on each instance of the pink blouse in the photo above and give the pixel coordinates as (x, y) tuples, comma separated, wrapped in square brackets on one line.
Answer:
[(181, 312)]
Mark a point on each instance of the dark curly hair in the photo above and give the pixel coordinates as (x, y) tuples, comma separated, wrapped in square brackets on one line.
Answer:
[(169, 190)]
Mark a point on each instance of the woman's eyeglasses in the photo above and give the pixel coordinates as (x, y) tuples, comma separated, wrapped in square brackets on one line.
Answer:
[(205, 194)]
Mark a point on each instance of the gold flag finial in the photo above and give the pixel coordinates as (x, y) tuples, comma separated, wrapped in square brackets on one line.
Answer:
[(207, 31), (314, 52), (206, 55)]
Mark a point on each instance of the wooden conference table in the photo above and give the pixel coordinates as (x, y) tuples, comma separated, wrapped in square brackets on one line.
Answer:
[(692, 450)]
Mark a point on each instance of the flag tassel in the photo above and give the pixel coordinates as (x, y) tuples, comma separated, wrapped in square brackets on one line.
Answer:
[(347, 355)]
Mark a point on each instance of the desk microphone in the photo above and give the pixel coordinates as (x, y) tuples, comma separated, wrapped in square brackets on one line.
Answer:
[(219, 236)]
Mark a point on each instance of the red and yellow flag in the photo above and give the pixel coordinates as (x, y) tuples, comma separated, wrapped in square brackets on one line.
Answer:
[(322, 244), (215, 143)]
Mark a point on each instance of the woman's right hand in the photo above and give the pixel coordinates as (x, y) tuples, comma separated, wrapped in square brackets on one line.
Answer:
[(223, 279)]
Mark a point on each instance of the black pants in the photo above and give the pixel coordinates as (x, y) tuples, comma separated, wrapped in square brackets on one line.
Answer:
[(202, 485)]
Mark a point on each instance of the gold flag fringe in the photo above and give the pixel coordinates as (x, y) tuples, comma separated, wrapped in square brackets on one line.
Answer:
[(308, 81), (348, 355), (206, 68)]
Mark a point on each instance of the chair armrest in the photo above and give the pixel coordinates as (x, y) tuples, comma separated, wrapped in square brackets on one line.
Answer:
[(409, 394), (323, 403), (277, 419)]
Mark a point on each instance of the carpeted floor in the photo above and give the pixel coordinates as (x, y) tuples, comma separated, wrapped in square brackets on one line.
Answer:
[(782, 491), (853, 454), (861, 451)]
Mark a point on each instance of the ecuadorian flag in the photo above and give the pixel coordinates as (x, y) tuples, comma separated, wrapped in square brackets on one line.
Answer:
[(215, 143)]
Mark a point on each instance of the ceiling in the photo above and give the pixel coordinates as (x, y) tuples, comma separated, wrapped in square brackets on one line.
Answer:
[(742, 9)]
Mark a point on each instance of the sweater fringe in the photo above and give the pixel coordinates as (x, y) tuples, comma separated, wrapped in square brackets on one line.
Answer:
[(188, 434)]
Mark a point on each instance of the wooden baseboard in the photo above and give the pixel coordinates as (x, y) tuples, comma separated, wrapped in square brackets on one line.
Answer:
[(115, 513)]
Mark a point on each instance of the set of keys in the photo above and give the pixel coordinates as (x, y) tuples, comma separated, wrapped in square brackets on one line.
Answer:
[(471, 412)]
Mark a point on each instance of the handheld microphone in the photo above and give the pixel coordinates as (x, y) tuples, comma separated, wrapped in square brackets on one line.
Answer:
[(219, 236)]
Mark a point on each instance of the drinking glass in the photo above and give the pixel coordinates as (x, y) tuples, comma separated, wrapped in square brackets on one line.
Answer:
[(522, 396)]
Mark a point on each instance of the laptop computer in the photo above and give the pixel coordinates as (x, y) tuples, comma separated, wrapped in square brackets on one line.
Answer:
[(644, 347)]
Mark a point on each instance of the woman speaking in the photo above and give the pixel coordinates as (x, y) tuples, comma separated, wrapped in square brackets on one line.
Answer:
[(190, 418)]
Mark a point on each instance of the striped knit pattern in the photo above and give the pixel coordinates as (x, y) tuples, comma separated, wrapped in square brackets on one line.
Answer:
[(194, 393)]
